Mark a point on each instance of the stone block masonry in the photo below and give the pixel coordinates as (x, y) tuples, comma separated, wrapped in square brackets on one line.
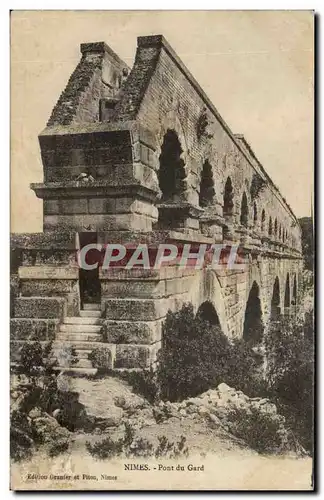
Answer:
[(142, 155)]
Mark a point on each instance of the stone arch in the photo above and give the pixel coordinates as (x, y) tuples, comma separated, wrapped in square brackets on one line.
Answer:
[(294, 294), (253, 324), (228, 198), (275, 300), (172, 173), (270, 226), (207, 312), (171, 122), (244, 215), (207, 186), (255, 214), (206, 287), (228, 205), (287, 292), (263, 220)]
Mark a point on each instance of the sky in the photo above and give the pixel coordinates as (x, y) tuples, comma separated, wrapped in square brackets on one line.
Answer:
[(255, 66)]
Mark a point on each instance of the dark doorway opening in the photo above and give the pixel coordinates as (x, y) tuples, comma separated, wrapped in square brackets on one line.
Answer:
[(208, 313), (253, 324), (90, 288), (275, 301)]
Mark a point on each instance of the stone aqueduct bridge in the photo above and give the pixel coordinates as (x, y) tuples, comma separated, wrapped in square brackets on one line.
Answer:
[(142, 155)]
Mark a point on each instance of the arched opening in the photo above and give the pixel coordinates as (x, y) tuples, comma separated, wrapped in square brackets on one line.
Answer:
[(255, 214), (270, 226), (276, 228), (244, 218), (172, 172), (294, 297), (287, 292), (275, 300), (279, 232), (207, 191), (253, 324), (263, 218), (283, 235), (208, 313), (228, 203)]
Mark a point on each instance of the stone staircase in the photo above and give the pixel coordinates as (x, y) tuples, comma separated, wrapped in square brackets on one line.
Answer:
[(82, 333)]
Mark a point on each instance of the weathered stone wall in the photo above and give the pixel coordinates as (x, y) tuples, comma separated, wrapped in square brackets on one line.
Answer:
[(97, 178), (101, 156), (170, 98)]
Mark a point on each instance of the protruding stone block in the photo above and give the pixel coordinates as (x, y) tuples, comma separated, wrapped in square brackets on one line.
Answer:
[(33, 329), (132, 356), (136, 309), (39, 307), (132, 332)]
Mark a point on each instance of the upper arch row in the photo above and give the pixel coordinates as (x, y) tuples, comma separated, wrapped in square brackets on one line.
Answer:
[(245, 204)]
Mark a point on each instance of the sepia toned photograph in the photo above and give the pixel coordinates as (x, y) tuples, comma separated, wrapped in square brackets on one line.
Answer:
[(162, 250)]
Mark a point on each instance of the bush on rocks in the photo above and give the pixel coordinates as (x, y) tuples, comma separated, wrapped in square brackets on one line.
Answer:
[(262, 431), (101, 358), (34, 402)]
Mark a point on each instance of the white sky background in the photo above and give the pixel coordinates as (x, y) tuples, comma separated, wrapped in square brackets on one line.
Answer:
[(255, 66)]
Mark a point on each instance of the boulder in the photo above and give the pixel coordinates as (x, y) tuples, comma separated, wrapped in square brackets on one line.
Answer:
[(195, 401), (214, 420), (35, 413), (224, 387), (192, 409)]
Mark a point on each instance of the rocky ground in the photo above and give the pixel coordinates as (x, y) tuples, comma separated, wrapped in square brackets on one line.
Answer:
[(213, 422), (206, 421), (213, 438)]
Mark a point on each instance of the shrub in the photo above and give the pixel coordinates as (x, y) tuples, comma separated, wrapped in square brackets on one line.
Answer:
[(38, 390), (131, 447), (290, 364), (58, 447), (35, 360), (197, 356), (263, 432), (21, 436), (244, 369), (144, 382), (169, 449), (101, 358), (107, 448)]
